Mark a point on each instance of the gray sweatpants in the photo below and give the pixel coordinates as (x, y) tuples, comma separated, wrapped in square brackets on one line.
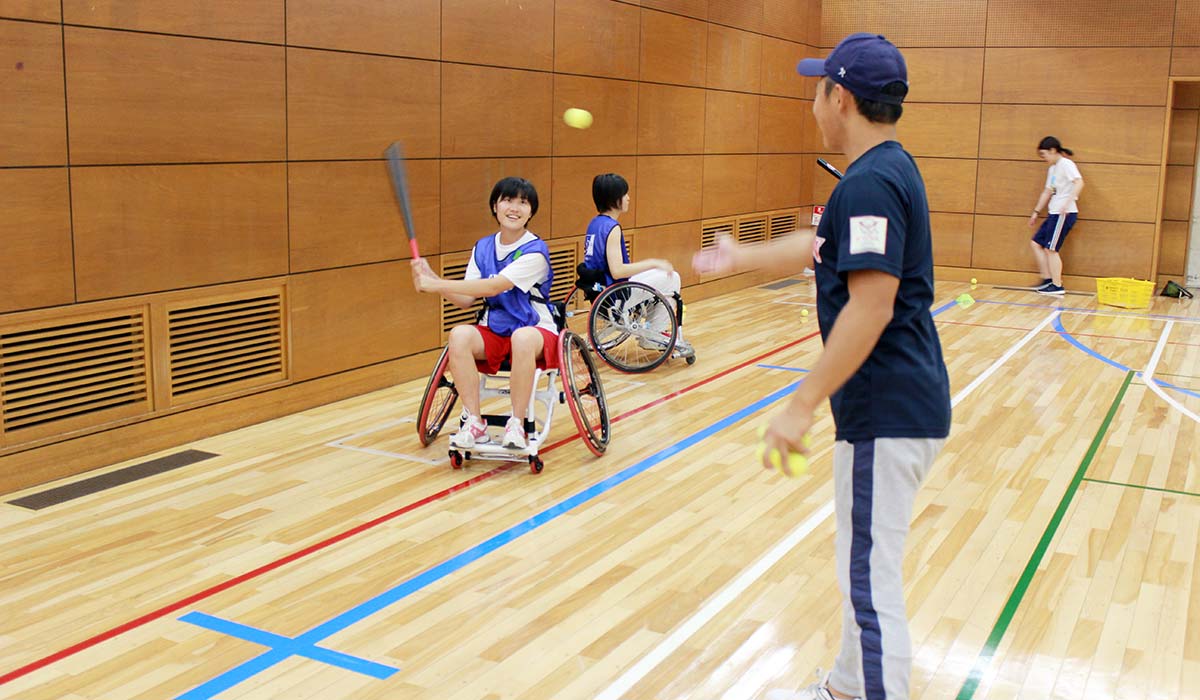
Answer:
[(875, 485)]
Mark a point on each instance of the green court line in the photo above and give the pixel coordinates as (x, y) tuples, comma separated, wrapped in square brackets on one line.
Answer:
[(1014, 600), (1140, 486)]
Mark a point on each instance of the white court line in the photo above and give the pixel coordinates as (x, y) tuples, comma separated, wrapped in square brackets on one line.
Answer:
[(630, 385), (1148, 375), (341, 444), (792, 303), (727, 595)]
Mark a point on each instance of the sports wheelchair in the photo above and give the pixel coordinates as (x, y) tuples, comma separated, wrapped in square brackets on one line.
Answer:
[(581, 391), (632, 326)]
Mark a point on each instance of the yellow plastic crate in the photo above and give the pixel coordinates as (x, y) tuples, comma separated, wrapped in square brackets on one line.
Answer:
[(1124, 292)]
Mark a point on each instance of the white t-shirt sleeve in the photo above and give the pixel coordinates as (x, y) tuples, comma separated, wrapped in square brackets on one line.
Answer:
[(472, 269), (1050, 178), (526, 271), (1070, 171)]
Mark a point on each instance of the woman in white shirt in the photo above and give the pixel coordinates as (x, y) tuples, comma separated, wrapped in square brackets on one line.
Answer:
[(1063, 185)]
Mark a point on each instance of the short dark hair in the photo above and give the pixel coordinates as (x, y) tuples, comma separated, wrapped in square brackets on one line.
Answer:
[(511, 187), (607, 191), (1050, 142), (877, 112)]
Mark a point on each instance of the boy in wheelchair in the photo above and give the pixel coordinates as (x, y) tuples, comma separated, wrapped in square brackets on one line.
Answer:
[(606, 257), (510, 270)]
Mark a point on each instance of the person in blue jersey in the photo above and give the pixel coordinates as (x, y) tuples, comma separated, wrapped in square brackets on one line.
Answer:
[(606, 254), (511, 271), (882, 368)]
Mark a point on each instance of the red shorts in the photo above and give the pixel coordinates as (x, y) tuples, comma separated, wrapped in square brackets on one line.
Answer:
[(498, 349)]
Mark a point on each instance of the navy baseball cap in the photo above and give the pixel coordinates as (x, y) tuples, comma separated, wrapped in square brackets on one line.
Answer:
[(863, 64)]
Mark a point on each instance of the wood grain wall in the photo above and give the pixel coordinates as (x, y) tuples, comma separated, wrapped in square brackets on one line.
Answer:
[(990, 78), (152, 147)]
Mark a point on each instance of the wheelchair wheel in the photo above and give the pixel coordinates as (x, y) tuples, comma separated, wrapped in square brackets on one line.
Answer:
[(584, 393), (437, 403), (633, 327)]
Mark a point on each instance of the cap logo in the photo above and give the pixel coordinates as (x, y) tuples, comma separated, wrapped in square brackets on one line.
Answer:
[(842, 72)]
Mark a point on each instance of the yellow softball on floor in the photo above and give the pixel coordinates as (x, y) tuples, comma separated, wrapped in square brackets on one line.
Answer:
[(577, 118), (803, 312), (797, 464)]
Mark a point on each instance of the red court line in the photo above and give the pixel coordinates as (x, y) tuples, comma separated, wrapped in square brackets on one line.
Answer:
[(358, 529)]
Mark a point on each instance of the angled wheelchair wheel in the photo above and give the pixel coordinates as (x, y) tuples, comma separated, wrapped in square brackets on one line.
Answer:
[(633, 327), (438, 402), (584, 393)]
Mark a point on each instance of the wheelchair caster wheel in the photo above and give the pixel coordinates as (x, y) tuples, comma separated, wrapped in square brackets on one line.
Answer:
[(456, 459), (535, 464), (691, 360)]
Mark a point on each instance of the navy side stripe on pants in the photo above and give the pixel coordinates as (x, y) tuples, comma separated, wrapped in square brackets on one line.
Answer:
[(860, 570)]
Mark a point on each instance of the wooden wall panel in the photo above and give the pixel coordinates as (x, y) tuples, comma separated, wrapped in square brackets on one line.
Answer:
[(338, 109), (1094, 23), (779, 59), (1185, 61), (356, 316), (36, 267), (788, 19), (944, 75), (670, 119), (743, 14), (940, 130), (674, 49), (1187, 23), (573, 205), (40, 10), (597, 37), (734, 59), (411, 28), (482, 31), (1187, 95), (1172, 256), (953, 236), (729, 185), (154, 228), (779, 182), (928, 23), (781, 124), (1093, 249), (1110, 193), (673, 242), (730, 122), (140, 98), (614, 107), (466, 185), (1097, 76), (247, 20), (1181, 149), (1096, 134), (669, 189), (33, 128), (476, 99), (949, 184), (343, 213), (690, 8), (1177, 202)]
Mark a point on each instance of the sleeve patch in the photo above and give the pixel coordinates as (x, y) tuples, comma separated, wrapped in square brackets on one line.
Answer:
[(868, 234)]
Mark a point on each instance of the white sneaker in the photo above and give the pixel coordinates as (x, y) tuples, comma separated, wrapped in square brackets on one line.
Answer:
[(514, 434), (472, 431), (816, 691)]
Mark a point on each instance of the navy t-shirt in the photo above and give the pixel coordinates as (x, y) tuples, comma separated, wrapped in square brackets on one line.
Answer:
[(878, 219)]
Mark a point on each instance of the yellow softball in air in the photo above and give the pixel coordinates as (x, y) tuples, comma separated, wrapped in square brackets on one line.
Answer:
[(577, 118), (797, 464)]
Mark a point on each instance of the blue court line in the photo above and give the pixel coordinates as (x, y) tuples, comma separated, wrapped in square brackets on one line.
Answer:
[(786, 369), (307, 640), (1066, 335), (282, 643)]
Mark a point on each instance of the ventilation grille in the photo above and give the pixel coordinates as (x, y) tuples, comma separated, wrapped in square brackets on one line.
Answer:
[(67, 376), (630, 237), (709, 230), (454, 267), (783, 222), (223, 347), (752, 229), (563, 261)]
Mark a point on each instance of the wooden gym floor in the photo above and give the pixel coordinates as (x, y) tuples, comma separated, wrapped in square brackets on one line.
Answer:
[(1054, 550)]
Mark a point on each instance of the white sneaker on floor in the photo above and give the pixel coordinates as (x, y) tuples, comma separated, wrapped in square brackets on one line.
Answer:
[(816, 691), (514, 434), (471, 432)]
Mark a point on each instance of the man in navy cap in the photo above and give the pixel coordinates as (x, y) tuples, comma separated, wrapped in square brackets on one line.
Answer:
[(882, 368)]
